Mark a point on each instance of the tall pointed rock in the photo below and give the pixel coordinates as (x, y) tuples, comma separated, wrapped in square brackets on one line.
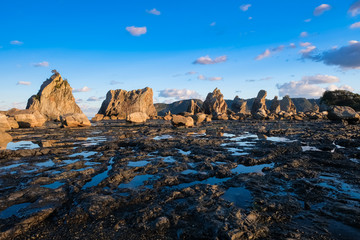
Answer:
[(54, 98)]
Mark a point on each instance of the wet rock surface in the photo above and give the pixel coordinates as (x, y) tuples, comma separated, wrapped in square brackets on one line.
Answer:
[(244, 179)]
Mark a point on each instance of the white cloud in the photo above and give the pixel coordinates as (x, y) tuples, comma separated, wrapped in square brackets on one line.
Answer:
[(95, 99), (201, 77), (354, 9), (307, 51), (352, 42), (23, 83), (245, 7), (305, 44), (212, 79), (292, 45), (191, 73), (307, 20), (333, 87), (321, 9), (179, 94), (250, 18), (83, 89), (41, 64), (320, 79), (212, 24), (355, 25), (136, 31), (153, 11), (304, 34), (263, 55), (207, 60), (16, 42)]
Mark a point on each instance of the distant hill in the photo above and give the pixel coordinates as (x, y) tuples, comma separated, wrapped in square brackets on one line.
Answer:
[(175, 107)]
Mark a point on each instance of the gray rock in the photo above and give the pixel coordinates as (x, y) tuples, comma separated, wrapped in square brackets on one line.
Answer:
[(214, 103)]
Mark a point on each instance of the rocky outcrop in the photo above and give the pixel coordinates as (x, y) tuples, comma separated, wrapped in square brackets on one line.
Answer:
[(287, 105), (193, 108), (137, 117), (239, 105), (4, 124), (98, 117), (5, 138), (214, 103), (54, 99), (74, 120), (181, 121), (343, 113), (275, 106), (179, 107), (258, 109), (120, 103), (29, 118)]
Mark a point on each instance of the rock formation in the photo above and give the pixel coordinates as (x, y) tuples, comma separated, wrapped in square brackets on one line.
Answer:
[(179, 107), (5, 138), (181, 121), (74, 120), (29, 118), (214, 103), (239, 105), (120, 103), (193, 108), (54, 98), (275, 106), (4, 124), (258, 109), (343, 113), (137, 117), (287, 105)]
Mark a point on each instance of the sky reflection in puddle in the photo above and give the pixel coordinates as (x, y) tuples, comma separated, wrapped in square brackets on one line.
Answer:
[(137, 181), (22, 145), (13, 210), (240, 196), (251, 169), (162, 137)]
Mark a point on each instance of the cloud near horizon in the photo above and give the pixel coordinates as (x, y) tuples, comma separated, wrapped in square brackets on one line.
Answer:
[(154, 12), (321, 9), (308, 86), (23, 83), (41, 64), (212, 79), (83, 89), (95, 99), (207, 60), (136, 31), (179, 94)]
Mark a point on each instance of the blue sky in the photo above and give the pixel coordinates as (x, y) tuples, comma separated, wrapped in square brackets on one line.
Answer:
[(182, 49)]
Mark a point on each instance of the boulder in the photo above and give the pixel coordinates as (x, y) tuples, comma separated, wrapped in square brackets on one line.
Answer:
[(275, 106), (74, 120), (239, 105), (214, 103), (120, 103), (343, 113), (12, 122), (4, 124), (199, 118), (258, 109), (287, 105), (97, 118), (5, 138), (168, 116), (181, 121), (137, 117), (54, 98), (29, 118)]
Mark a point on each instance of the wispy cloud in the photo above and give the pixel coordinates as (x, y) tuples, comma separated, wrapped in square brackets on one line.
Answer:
[(23, 83), (320, 79), (95, 99), (245, 7), (16, 42), (191, 73), (136, 31), (41, 64), (268, 52), (212, 79), (305, 44), (355, 25), (304, 34), (260, 79), (113, 82), (207, 60), (307, 51), (354, 9), (321, 9), (212, 24), (83, 89), (153, 11), (307, 20), (179, 94)]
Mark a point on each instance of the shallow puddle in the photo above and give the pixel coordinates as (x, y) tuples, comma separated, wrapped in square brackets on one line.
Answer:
[(251, 169), (13, 210), (211, 181), (100, 177), (137, 181), (240, 196), (22, 145), (53, 185), (162, 137), (189, 171), (48, 163), (169, 159), (138, 163)]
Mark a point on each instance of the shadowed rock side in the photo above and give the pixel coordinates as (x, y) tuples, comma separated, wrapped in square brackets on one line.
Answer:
[(275, 106), (258, 109), (120, 103), (214, 103), (287, 105), (239, 105), (54, 99)]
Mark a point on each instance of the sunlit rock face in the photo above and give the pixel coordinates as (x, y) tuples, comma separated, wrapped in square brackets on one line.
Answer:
[(259, 109), (287, 105), (214, 103), (54, 99), (121, 103)]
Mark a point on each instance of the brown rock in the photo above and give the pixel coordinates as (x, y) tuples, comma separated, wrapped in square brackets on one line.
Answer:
[(13, 123), (121, 103), (199, 118), (74, 120), (181, 121), (4, 124), (275, 106), (97, 118), (29, 118), (5, 138), (343, 113), (215, 103), (54, 99), (258, 109), (137, 117), (194, 108), (239, 105)]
